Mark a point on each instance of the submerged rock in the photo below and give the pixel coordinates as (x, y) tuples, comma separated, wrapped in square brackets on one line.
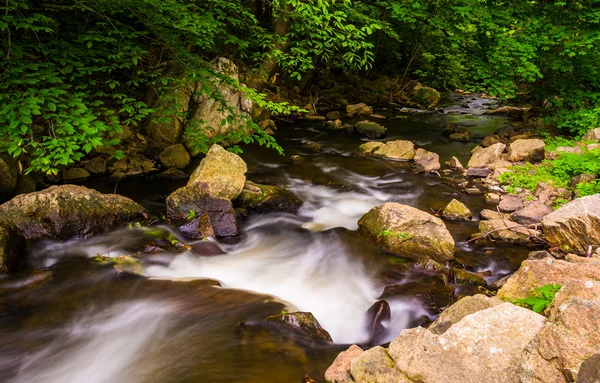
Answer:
[(395, 150), (261, 199), (484, 347), (575, 226), (408, 231), (302, 322), (457, 211), (67, 211), (435, 297)]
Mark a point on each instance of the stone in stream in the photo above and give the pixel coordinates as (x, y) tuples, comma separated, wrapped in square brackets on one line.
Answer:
[(434, 297), (370, 129), (174, 156), (461, 136), (510, 203), (67, 211), (482, 157), (454, 164), (504, 230), (261, 199), (463, 277), (377, 314), (408, 231), (457, 211), (426, 162), (395, 150), (198, 228), (302, 323), (575, 226), (359, 110), (478, 172), (533, 213)]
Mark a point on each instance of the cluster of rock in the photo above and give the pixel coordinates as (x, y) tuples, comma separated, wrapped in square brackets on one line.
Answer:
[(489, 339)]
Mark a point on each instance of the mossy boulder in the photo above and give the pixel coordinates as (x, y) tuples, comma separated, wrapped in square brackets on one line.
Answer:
[(261, 199), (394, 150), (67, 211), (303, 323), (361, 109), (457, 211), (174, 156), (408, 231), (425, 96), (75, 175), (370, 129), (223, 173)]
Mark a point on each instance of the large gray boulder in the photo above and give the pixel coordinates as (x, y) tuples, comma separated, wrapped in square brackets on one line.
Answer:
[(575, 226), (484, 347), (67, 211), (408, 231)]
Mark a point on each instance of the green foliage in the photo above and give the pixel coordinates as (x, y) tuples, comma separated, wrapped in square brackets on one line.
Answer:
[(403, 235), (541, 298)]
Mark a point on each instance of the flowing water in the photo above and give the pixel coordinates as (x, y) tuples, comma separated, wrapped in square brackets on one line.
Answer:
[(79, 320)]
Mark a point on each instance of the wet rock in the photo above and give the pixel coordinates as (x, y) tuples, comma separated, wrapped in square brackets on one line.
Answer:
[(478, 172), (481, 157), (541, 254), (335, 125), (296, 159), (359, 110), (465, 306), (67, 211), (11, 249), (175, 156), (576, 225), (222, 172), (96, 166), (510, 203), (531, 214), (536, 273), (261, 199), (198, 228), (461, 136), (312, 146), (370, 129), (433, 297), (425, 96), (463, 277), (527, 150), (497, 285), (196, 198), (568, 338), (75, 175), (311, 117), (589, 372), (376, 366), (454, 164), (483, 347), (396, 150), (8, 174), (457, 211), (487, 214), (172, 174), (408, 231), (505, 231), (333, 115), (426, 162), (339, 371), (592, 135), (268, 126), (490, 140), (377, 314), (302, 322)]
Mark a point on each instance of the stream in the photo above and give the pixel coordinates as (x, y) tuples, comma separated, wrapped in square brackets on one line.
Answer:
[(77, 320)]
